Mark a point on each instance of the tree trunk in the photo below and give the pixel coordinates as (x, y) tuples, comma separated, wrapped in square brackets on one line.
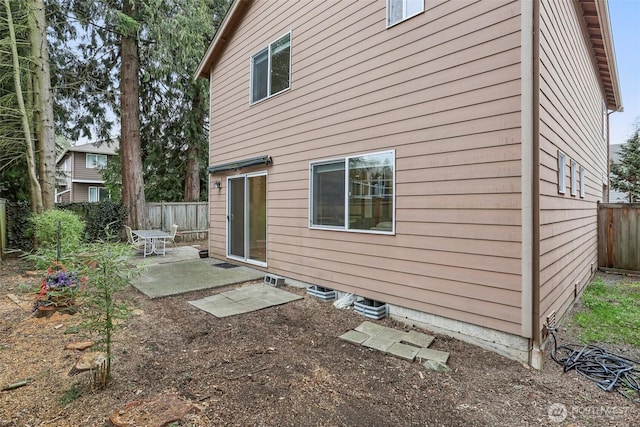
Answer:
[(35, 194), (43, 103), (132, 179), (192, 174)]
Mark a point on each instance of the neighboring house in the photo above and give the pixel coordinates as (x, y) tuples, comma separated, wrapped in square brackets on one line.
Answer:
[(444, 157), (78, 172), (616, 196)]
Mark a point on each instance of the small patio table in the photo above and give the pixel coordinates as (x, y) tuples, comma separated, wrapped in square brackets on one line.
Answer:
[(152, 239)]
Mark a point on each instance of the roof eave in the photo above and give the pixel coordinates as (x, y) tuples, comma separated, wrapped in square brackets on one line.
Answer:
[(595, 16), (231, 18), (605, 23)]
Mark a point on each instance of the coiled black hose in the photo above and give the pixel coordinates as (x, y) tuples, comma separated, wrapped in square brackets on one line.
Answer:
[(607, 370)]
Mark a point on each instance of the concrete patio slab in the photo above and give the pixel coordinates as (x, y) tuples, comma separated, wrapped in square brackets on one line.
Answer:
[(244, 300), (178, 277)]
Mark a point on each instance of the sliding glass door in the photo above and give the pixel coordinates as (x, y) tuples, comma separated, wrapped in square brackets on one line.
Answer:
[(247, 218)]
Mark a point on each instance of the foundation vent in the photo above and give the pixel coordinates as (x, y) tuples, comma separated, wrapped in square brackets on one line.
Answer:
[(371, 308), (273, 280), (324, 294), (551, 320)]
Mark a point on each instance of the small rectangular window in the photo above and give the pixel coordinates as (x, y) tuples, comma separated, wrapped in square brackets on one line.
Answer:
[(562, 173), (399, 10), (271, 69), (582, 182), (574, 178), (355, 193), (604, 120), (96, 161)]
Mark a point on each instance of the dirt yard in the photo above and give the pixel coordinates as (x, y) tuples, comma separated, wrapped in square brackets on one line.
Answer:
[(282, 366)]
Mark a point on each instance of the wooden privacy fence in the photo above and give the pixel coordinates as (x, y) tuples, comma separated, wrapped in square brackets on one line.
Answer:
[(619, 236), (192, 218)]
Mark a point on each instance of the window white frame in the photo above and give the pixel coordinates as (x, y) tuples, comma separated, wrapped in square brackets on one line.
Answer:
[(574, 178), (562, 172), (408, 9), (94, 161), (582, 182), (347, 183), (269, 50), (95, 197)]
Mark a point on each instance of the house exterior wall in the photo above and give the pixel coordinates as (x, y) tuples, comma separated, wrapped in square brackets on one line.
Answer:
[(80, 192), (80, 170), (570, 121), (442, 89)]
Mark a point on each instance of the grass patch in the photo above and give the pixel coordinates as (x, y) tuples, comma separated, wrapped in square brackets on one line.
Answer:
[(71, 394), (611, 313)]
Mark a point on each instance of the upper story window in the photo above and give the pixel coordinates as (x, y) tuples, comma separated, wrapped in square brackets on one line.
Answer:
[(96, 161), (354, 193), (399, 10), (271, 69)]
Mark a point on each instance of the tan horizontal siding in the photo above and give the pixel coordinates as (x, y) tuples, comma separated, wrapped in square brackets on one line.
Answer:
[(570, 121), (442, 89)]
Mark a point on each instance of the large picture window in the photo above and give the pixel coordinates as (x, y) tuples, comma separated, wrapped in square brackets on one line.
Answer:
[(399, 10), (354, 193), (98, 193), (271, 69)]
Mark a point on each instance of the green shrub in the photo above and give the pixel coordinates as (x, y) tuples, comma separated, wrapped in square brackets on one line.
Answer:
[(45, 229)]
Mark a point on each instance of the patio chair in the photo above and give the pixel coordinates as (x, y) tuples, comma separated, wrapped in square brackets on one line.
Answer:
[(172, 239), (138, 244)]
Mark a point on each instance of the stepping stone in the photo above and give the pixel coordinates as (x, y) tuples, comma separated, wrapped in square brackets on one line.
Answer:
[(403, 351), (417, 339), (369, 328), (378, 343), (390, 333), (434, 365), (429, 354), (354, 337)]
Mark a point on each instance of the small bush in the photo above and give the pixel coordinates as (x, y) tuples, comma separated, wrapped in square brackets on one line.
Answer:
[(45, 229)]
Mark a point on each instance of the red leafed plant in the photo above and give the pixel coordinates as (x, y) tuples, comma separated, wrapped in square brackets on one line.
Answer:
[(59, 287)]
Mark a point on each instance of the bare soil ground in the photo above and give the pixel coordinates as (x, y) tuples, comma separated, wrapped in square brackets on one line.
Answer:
[(282, 366)]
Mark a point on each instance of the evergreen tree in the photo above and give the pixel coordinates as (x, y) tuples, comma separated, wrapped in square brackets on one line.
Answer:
[(625, 175)]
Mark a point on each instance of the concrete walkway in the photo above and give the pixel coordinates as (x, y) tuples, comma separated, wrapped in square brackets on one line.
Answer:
[(181, 271)]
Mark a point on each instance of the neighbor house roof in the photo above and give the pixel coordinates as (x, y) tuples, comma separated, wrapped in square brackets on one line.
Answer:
[(105, 147), (595, 15)]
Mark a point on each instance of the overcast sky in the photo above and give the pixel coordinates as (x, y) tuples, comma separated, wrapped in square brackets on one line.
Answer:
[(625, 24)]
